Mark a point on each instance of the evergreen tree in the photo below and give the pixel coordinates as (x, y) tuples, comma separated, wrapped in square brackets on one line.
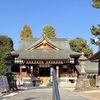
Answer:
[(95, 30), (49, 31), (96, 3), (26, 32), (80, 45), (6, 45)]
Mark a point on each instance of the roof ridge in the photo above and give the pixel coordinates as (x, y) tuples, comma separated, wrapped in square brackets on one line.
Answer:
[(49, 38), (44, 37)]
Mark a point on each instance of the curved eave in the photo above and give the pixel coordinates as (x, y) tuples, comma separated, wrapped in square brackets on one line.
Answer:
[(75, 55), (44, 59), (44, 54), (95, 56), (15, 55)]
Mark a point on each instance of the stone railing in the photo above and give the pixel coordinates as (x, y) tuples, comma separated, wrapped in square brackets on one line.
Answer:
[(68, 80)]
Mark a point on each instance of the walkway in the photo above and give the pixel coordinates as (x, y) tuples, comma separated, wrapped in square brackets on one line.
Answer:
[(42, 93)]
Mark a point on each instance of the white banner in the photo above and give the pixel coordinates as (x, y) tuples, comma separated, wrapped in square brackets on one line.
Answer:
[(19, 80), (4, 86)]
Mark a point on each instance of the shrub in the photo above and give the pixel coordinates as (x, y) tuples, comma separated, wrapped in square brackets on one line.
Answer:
[(92, 82)]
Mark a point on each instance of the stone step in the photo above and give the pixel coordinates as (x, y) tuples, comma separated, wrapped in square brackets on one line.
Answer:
[(66, 85)]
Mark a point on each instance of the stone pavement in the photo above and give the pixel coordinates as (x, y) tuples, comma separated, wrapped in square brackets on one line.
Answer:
[(93, 94), (42, 93)]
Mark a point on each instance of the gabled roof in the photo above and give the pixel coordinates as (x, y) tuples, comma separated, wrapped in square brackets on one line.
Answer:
[(60, 48), (25, 43), (44, 37)]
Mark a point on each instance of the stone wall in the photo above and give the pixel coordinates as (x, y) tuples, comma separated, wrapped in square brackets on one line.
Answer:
[(82, 84)]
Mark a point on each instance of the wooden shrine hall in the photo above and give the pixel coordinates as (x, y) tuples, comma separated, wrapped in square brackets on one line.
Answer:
[(38, 56)]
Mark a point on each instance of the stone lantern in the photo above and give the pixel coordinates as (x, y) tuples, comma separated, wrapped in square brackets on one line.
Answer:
[(82, 81), (10, 78), (9, 60), (82, 60)]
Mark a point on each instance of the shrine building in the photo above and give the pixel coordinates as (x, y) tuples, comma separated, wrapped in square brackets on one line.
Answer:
[(39, 56)]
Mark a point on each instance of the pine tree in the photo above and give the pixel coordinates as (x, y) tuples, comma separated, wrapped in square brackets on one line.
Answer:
[(80, 45), (95, 30)]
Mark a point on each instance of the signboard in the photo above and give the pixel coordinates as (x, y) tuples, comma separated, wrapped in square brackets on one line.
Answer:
[(4, 86)]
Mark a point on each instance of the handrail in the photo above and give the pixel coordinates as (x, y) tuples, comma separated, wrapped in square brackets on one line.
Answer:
[(56, 95)]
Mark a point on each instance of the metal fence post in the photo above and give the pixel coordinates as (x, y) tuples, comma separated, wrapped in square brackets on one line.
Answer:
[(55, 91)]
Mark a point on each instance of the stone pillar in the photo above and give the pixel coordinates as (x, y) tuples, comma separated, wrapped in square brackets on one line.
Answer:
[(9, 69), (51, 69), (51, 78)]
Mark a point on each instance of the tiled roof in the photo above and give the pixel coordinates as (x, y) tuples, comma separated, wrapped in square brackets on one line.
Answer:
[(44, 54), (90, 67), (62, 43), (44, 37)]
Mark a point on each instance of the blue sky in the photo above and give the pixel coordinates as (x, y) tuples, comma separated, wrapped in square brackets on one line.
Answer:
[(70, 18)]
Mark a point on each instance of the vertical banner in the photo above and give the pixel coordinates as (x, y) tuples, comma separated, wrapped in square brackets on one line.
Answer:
[(4, 86), (19, 80)]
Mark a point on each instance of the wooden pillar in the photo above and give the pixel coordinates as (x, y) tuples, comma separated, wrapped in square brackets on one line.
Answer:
[(20, 69), (31, 71), (57, 72)]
